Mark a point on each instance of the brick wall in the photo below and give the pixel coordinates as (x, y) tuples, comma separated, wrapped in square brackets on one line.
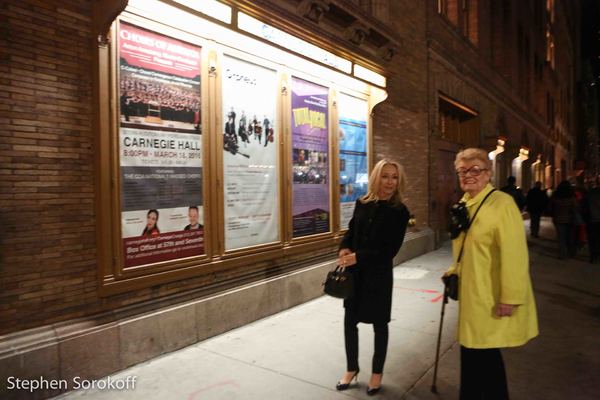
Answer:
[(400, 126), (485, 78), (47, 193)]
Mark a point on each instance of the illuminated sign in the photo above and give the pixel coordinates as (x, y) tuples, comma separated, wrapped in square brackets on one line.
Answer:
[(287, 41), (211, 8)]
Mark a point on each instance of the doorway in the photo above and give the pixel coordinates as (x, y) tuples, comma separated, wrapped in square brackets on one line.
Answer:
[(448, 193)]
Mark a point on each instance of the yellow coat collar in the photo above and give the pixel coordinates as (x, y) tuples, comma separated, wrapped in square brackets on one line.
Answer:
[(477, 199)]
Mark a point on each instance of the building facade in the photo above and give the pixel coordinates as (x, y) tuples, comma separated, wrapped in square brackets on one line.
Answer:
[(502, 76), (175, 169)]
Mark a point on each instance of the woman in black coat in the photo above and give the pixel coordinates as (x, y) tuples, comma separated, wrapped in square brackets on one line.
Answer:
[(375, 235)]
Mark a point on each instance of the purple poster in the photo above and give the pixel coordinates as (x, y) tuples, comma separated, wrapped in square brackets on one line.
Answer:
[(310, 154)]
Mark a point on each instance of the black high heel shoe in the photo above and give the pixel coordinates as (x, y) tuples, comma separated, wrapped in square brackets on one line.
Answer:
[(344, 386), (373, 391)]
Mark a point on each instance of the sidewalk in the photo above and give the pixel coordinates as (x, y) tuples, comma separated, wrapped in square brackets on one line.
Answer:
[(299, 353)]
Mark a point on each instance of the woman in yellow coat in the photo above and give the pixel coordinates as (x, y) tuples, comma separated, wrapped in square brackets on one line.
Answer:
[(496, 304)]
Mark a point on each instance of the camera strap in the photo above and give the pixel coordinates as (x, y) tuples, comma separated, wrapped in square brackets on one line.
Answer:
[(462, 246)]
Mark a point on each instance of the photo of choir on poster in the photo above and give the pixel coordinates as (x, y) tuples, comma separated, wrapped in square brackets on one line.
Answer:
[(160, 147), (310, 150), (250, 154)]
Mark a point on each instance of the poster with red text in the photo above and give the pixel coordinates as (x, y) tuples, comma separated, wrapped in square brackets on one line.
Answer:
[(160, 147)]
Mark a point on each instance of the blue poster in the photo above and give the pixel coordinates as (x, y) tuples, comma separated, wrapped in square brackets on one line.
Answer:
[(352, 137)]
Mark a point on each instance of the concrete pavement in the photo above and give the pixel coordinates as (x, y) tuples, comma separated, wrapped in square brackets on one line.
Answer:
[(299, 353)]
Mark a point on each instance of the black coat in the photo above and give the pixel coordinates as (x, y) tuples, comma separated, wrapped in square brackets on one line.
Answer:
[(517, 194), (537, 200), (375, 234)]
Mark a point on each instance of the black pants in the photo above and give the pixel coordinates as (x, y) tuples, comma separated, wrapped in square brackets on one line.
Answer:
[(593, 231), (566, 234), (482, 375), (534, 223), (351, 339)]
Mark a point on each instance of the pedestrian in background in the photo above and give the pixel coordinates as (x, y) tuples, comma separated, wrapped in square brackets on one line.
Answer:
[(591, 215), (375, 234), (580, 226), (515, 192), (563, 207), (537, 201), (496, 304)]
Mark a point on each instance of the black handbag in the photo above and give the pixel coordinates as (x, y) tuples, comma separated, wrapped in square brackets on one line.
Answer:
[(339, 283), (451, 286)]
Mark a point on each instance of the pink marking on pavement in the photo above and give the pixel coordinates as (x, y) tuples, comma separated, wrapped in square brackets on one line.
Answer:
[(436, 299), (418, 290), (216, 385)]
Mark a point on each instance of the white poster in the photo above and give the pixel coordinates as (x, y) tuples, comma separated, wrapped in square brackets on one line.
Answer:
[(250, 147)]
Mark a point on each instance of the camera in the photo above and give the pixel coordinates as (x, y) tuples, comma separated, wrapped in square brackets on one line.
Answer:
[(459, 219)]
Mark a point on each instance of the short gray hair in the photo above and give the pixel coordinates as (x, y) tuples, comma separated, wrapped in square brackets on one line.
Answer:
[(473, 153)]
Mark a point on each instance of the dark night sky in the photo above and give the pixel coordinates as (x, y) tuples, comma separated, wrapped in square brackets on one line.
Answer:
[(590, 35), (590, 50)]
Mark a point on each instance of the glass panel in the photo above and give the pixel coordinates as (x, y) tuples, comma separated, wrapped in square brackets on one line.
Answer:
[(160, 147), (250, 154), (369, 75)]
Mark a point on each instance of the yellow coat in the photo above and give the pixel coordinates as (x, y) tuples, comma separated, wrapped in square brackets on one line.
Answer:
[(494, 269)]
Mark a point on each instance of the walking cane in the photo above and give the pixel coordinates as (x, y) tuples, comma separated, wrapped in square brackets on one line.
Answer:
[(439, 340)]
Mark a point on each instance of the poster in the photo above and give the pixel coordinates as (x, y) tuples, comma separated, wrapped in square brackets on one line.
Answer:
[(250, 154), (160, 147), (310, 155), (352, 138)]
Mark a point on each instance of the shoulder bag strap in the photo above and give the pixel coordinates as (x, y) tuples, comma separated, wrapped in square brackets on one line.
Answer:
[(462, 246)]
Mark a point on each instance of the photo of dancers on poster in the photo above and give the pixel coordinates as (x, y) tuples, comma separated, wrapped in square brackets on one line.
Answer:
[(246, 131)]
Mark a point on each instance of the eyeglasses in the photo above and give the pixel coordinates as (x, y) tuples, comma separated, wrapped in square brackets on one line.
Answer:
[(475, 170)]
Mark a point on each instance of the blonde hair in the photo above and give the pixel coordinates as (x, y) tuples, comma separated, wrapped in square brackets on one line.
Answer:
[(471, 154), (375, 179)]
